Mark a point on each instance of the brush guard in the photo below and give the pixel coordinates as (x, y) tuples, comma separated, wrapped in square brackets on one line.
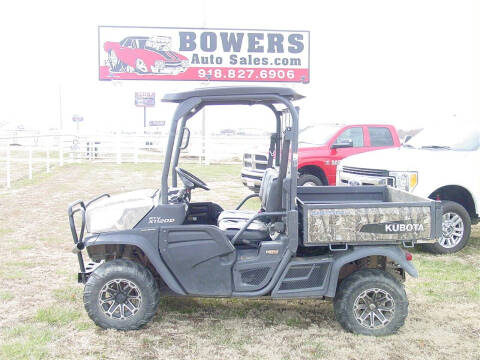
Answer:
[(80, 207)]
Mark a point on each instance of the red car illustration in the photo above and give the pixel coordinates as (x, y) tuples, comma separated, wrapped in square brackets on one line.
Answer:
[(144, 55)]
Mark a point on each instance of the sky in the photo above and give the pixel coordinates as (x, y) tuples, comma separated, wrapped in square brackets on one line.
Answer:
[(408, 63)]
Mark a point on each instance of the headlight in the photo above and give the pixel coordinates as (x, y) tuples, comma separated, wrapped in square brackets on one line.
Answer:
[(159, 64), (405, 180)]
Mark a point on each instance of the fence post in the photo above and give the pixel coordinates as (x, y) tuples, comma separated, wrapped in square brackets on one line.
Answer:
[(200, 155), (206, 153), (8, 165), (48, 159), (136, 144), (30, 165), (119, 156), (60, 144)]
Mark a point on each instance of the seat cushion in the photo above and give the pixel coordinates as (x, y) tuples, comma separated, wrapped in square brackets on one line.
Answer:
[(235, 214)]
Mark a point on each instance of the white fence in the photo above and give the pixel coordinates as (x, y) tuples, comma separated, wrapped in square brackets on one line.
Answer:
[(23, 155)]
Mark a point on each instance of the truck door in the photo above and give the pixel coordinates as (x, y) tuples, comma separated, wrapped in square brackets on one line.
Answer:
[(200, 257), (356, 135)]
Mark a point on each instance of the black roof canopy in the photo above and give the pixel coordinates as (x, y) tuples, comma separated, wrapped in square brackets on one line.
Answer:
[(227, 93)]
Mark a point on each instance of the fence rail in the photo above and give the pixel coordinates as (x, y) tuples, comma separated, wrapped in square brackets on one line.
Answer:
[(23, 155)]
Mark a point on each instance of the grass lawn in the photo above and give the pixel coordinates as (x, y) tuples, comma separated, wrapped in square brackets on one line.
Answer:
[(42, 314)]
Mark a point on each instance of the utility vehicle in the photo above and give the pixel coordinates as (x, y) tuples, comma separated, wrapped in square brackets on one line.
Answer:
[(340, 243)]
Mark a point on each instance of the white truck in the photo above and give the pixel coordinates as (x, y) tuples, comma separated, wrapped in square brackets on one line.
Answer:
[(438, 163)]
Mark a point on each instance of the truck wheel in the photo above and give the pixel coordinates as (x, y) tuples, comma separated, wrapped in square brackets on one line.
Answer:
[(371, 302), (121, 294), (309, 180), (456, 227)]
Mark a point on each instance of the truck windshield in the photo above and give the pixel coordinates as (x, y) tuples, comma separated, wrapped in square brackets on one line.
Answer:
[(317, 134), (452, 138)]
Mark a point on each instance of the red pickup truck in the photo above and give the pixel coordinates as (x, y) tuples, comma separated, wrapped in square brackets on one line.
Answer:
[(320, 148)]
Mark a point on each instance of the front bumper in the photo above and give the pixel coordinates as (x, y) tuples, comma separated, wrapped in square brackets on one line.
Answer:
[(169, 69), (252, 178), (359, 176)]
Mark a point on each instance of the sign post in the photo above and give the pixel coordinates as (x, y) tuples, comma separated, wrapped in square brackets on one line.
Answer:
[(144, 99), (77, 119)]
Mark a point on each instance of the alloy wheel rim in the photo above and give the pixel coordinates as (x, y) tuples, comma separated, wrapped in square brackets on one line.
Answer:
[(120, 299), (452, 230), (374, 308), (141, 65)]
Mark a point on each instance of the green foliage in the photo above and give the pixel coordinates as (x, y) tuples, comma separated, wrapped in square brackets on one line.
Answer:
[(57, 315), (26, 342)]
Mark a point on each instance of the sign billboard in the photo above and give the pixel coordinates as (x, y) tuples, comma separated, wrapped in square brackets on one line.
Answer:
[(77, 118), (156, 123), (145, 99), (156, 53)]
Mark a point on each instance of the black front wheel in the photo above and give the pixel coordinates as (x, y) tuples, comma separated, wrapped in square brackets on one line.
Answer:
[(121, 294), (371, 302)]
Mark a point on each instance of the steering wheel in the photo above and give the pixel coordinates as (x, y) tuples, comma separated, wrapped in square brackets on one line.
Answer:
[(189, 177)]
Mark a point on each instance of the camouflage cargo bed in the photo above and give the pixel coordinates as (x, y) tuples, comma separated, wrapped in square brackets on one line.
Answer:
[(366, 215)]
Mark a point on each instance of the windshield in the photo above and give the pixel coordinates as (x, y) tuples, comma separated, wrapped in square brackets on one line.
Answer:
[(452, 138), (317, 134)]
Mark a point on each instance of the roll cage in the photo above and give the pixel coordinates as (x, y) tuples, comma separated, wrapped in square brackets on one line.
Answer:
[(191, 102)]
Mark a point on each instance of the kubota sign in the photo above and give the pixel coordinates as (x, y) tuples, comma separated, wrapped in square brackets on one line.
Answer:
[(154, 53)]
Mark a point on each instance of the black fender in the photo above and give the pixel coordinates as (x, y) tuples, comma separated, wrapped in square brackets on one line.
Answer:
[(147, 241), (341, 258)]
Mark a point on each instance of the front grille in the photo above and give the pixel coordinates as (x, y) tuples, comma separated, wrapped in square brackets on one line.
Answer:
[(173, 63), (255, 161), (253, 177), (365, 172)]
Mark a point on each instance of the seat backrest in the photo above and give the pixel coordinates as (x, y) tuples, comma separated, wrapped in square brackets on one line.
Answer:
[(269, 191)]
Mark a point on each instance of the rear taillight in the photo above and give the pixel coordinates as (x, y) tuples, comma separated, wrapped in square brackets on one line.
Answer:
[(408, 256)]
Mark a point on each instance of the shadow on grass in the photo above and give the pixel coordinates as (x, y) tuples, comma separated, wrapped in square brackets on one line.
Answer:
[(292, 313)]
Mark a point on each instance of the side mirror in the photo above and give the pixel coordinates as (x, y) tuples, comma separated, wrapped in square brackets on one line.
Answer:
[(185, 139), (342, 145)]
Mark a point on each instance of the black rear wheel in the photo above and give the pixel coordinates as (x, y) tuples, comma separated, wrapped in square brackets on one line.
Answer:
[(121, 294), (309, 180), (371, 302)]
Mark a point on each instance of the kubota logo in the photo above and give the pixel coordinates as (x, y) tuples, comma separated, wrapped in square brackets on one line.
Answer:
[(403, 227), (392, 228)]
